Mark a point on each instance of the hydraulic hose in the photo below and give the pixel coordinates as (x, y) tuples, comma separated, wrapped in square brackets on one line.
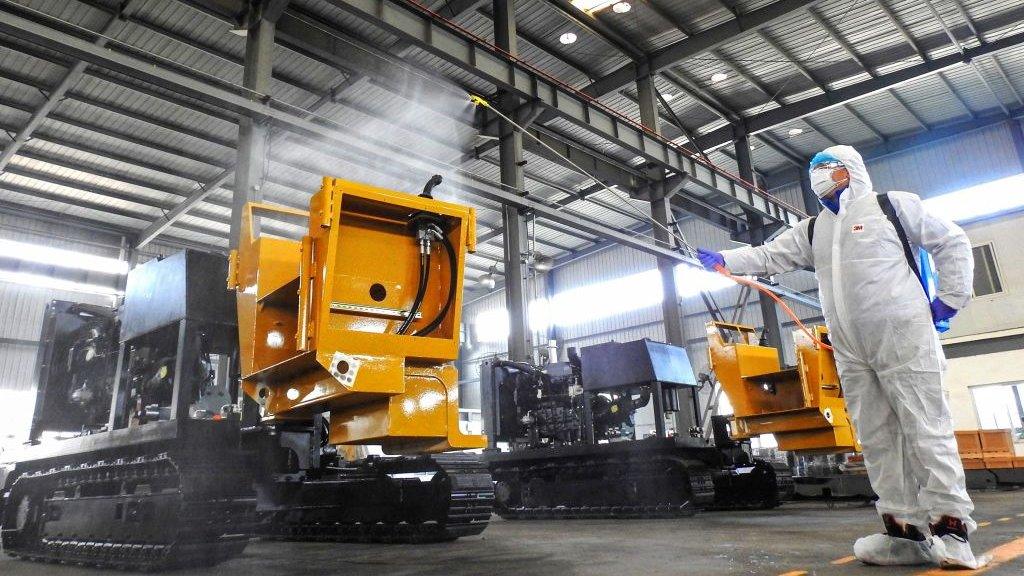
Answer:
[(453, 279), (789, 311), (421, 291)]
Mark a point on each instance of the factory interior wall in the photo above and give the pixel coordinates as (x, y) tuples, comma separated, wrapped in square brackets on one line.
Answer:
[(986, 319)]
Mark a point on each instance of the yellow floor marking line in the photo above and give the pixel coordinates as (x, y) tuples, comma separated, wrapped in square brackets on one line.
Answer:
[(1021, 515), (796, 573), (843, 560), (1000, 555), (983, 524), (1004, 519)]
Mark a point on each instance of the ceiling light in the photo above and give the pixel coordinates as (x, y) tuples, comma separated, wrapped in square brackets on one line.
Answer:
[(669, 97), (795, 131), (719, 76), (621, 7), (489, 280), (593, 5), (542, 263), (567, 38), (62, 258)]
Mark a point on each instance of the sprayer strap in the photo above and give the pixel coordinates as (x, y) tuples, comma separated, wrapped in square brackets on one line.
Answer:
[(810, 231), (890, 212)]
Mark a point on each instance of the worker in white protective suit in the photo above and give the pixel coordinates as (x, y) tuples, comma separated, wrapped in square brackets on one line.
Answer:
[(887, 350)]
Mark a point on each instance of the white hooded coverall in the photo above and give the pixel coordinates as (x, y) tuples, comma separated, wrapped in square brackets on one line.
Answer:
[(886, 347)]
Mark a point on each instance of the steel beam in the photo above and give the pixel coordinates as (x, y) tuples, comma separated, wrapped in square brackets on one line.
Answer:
[(839, 96), (55, 95), (321, 131), (701, 42), (430, 33)]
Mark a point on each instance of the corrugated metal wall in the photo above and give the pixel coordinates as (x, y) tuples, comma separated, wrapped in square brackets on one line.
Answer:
[(944, 166)]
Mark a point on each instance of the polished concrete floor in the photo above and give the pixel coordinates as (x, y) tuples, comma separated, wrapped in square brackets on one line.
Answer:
[(797, 539)]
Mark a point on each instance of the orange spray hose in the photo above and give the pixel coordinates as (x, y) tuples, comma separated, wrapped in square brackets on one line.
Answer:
[(789, 311)]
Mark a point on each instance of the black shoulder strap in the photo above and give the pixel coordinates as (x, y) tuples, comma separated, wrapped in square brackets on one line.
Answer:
[(810, 230), (890, 212)]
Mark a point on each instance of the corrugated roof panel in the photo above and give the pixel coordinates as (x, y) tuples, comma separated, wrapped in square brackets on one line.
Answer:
[(543, 21), (146, 196), (21, 64), (932, 100), (886, 114)]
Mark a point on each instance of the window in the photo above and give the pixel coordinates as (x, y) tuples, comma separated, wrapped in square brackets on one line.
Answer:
[(999, 406), (986, 277)]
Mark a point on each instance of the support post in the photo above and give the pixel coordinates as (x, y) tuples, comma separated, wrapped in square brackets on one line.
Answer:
[(769, 313), (513, 220), (253, 132), (661, 213)]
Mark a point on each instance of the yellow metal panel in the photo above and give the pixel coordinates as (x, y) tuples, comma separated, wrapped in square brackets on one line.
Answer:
[(803, 407), (317, 318)]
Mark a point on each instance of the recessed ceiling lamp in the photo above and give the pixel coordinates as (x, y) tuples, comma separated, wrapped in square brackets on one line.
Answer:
[(669, 97), (621, 7), (567, 38), (719, 76), (795, 131)]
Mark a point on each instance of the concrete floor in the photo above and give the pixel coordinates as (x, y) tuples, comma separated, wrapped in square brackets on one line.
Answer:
[(797, 539)]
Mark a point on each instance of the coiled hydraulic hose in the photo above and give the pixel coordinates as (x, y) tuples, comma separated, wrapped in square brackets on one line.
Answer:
[(453, 279), (789, 311)]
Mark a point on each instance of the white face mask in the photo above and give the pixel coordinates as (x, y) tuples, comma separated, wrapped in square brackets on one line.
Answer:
[(821, 178)]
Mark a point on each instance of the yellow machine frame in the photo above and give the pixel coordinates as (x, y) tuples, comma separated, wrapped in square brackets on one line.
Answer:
[(317, 318), (802, 406)]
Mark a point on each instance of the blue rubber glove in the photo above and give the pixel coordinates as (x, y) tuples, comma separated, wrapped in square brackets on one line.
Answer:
[(941, 314), (710, 259)]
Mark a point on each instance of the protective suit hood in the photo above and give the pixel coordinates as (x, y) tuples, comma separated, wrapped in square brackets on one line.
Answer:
[(860, 182)]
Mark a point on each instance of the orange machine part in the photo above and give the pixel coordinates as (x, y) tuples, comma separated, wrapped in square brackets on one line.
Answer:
[(318, 316), (802, 406)]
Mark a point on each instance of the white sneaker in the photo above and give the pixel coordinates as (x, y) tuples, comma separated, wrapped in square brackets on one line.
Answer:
[(885, 550), (956, 554)]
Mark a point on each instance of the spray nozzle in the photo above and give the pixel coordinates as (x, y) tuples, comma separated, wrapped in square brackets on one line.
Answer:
[(479, 101), (429, 186)]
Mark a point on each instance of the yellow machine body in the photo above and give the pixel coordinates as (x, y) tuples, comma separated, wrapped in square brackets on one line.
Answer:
[(317, 318), (802, 406)]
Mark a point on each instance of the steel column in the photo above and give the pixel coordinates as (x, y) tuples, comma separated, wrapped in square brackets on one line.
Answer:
[(513, 219), (253, 131)]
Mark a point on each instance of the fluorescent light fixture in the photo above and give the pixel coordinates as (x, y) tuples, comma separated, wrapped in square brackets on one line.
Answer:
[(52, 283), (593, 5), (62, 258), (567, 38), (719, 76), (621, 7), (981, 200), (795, 131)]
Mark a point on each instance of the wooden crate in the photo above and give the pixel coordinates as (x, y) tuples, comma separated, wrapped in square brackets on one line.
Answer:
[(974, 464), (998, 463), (1018, 462), (993, 441), (968, 441)]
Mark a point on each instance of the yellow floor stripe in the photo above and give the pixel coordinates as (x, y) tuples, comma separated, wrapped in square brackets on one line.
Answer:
[(983, 524), (1000, 555), (1004, 519), (843, 560), (795, 573), (1021, 515)]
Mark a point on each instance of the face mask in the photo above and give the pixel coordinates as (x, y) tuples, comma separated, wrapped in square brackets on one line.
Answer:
[(829, 177)]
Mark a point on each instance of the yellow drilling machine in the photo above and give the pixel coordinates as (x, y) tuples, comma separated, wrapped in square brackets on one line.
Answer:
[(802, 406), (195, 414)]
